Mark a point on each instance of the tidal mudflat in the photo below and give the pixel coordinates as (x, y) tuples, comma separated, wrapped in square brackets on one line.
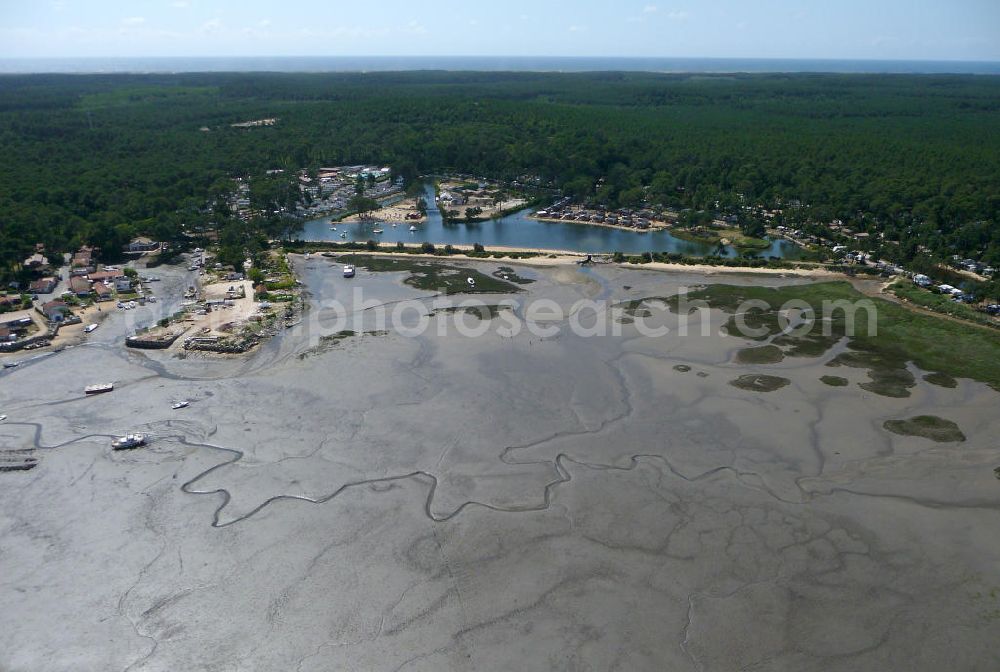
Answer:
[(381, 500)]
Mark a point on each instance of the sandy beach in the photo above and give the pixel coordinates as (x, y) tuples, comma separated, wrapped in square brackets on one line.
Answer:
[(388, 499)]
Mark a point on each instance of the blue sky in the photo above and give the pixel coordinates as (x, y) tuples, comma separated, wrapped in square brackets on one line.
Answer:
[(854, 29)]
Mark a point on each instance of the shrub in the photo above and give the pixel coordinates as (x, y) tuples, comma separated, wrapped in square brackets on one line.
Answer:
[(427, 248)]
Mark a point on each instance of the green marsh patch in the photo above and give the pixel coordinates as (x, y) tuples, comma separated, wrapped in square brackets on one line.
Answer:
[(327, 343), (765, 354), (759, 382), (928, 427), (835, 381), (432, 275), (507, 273), (483, 312), (883, 344), (941, 379)]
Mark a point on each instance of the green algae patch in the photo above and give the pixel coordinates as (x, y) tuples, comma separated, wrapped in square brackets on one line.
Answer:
[(941, 379), (835, 381), (927, 427), (759, 382), (765, 354)]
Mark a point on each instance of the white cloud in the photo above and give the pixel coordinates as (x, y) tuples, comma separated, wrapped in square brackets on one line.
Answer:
[(133, 21), (578, 29), (180, 4), (211, 26), (649, 9), (678, 15), (264, 23)]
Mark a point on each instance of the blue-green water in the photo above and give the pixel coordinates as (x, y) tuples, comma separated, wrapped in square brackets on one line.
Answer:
[(518, 230)]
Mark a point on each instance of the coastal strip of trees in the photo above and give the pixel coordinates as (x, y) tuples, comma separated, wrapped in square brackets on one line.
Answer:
[(912, 160)]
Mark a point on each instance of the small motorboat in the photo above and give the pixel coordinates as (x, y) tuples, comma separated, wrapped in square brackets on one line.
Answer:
[(472, 283), (394, 225), (377, 231), (412, 228), (348, 271), (343, 235), (128, 442), (180, 404), (2, 418), (333, 228), (100, 388), (10, 365)]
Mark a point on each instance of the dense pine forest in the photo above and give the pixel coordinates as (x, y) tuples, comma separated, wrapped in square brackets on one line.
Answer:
[(98, 159)]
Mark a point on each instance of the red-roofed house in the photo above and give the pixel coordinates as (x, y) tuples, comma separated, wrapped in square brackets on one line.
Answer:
[(102, 291), (79, 286)]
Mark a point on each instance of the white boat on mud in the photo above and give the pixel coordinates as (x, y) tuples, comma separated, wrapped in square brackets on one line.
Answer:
[(348, 271), (129, 441), (180, 404), (99, 388)]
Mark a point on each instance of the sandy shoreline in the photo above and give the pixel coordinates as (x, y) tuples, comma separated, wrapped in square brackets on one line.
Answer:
[(565, 257)]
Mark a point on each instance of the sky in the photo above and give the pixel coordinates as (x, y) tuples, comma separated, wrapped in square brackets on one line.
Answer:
[(817, 29)]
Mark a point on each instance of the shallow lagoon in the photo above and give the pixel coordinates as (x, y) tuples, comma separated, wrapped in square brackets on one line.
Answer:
[(527, 502)]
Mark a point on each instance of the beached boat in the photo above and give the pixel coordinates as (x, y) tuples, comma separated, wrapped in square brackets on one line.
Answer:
[(180, 404), (128, 442), (89, 328), (348, 271), (2, 418), (99, 388), (10, 365)]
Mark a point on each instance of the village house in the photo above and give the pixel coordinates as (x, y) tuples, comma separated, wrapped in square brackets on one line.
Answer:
[(105, 275), (44, 286), (16, 325), (143, 244), (101, 291), (123, 284), (80, 286), (37, 262), (55, 311)]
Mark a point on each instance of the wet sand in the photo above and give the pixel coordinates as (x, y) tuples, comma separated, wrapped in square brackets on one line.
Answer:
[(438, 502)]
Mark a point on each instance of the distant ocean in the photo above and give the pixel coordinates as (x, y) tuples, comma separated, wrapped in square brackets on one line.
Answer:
[(483, 63)]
